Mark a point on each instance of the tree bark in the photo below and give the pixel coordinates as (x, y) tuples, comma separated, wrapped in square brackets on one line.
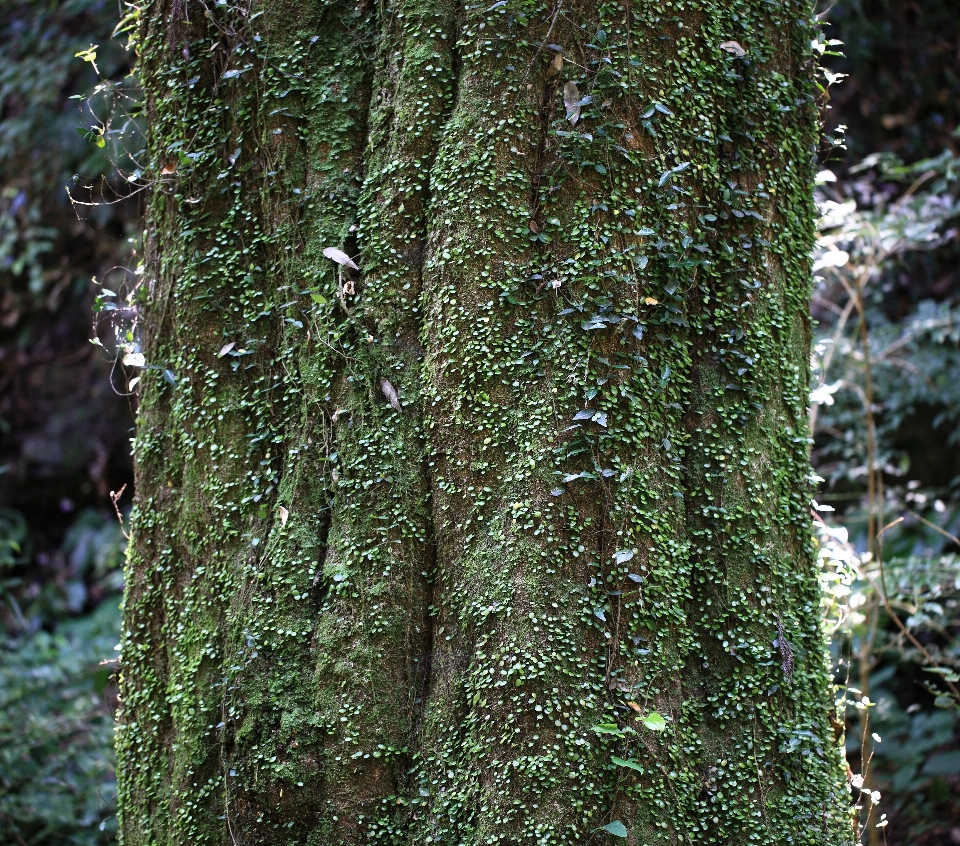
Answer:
[(501, 535)]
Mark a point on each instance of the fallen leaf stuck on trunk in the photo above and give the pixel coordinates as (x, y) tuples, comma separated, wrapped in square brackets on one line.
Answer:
[(734, 48), (391, 394), (571, 102), (340, 257)]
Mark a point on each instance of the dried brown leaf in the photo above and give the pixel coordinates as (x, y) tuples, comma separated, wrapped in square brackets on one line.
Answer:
[(555, 66), (734, 48)]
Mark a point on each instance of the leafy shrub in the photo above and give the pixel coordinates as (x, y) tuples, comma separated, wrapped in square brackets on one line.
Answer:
[(56, 726), (885, 407)]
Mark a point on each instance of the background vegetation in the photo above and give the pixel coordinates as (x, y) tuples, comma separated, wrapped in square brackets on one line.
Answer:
[(884, 420)]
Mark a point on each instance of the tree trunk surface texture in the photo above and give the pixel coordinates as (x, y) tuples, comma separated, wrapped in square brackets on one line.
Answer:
[(424, 548)]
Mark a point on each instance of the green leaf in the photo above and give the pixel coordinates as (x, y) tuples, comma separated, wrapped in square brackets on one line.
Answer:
[(948, 674), (319, 299), (943, 764), (88, 55), (627, 762), (608, 728), (654, 721), (616, 828)]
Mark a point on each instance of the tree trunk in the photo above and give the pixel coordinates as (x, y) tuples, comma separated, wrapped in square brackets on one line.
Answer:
[(502, 536)]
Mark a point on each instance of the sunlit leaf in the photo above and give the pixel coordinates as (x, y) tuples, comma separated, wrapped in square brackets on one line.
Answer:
[(654, 721), (88, 55)]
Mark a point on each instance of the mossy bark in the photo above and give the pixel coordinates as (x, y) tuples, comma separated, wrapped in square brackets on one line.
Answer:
[(420, 547)]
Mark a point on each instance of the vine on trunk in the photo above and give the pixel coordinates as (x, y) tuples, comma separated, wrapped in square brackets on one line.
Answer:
[(542, 588)]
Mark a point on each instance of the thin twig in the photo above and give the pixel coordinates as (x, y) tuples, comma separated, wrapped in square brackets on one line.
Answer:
[(115, 498), (553, 20), (934, 526), (910, 191), (899, 623)]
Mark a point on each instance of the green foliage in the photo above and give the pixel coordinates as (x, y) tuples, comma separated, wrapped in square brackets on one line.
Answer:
[(57, 690), (64, 436), (884, 417), (65, 439), (616, 828), (899, 710), (57, 783), (87, 568), (14, 537), (909, 339), (40, 151)]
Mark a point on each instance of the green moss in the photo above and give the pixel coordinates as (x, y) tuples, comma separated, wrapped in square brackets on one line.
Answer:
[(541, 463)]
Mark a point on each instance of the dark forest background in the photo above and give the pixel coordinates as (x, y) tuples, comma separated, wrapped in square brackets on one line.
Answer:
[(890, 261)]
